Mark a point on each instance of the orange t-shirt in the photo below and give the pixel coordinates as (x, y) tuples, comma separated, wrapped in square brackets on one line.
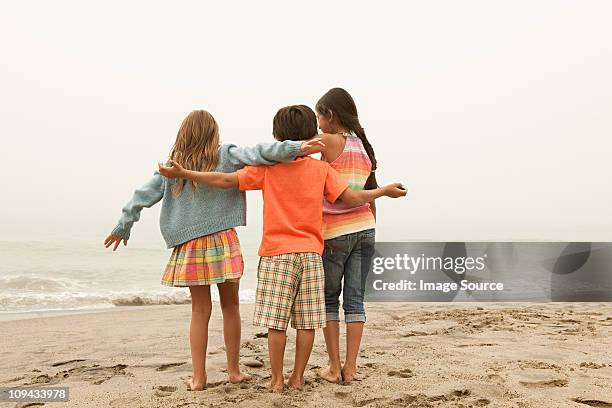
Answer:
[(293, 202)]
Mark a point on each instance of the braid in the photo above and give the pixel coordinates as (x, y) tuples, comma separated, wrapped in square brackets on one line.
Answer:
[(371, 182)]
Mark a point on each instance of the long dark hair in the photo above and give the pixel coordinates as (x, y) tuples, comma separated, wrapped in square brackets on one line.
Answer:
[(341, 105)]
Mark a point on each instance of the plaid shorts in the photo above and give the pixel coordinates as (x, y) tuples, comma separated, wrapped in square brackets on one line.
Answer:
[(290, 286)]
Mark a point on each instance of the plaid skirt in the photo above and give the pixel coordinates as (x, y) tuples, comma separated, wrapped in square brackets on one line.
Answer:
[(206, 260)]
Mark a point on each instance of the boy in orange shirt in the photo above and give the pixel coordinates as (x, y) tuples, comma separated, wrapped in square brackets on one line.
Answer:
[(290, 277)]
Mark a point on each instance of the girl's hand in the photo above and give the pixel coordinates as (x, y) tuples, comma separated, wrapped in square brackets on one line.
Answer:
[(171, 170), (113, 239), (312, 146), (395, 190)]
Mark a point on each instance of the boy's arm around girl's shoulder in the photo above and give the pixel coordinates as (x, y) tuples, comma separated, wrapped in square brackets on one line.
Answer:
[(217, 179), (144, 197), (262, 153)]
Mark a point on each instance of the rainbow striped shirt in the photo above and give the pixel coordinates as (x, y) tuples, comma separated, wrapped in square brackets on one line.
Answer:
[(355, 167)]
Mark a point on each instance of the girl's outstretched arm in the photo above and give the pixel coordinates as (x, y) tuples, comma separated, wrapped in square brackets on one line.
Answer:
[(271, 153), (358, 197), (212, 179), (144, 197)]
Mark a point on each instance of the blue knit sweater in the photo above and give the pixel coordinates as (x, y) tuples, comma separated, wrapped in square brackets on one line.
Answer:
[(206, 210)]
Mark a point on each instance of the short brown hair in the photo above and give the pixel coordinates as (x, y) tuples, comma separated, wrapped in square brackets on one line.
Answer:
[(296, 122)]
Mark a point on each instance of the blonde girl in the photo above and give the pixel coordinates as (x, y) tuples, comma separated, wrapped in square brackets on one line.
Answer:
[(199, 222)]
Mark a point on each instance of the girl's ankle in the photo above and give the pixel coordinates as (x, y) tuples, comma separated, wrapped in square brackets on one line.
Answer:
[(335, 367), (197, 384), (277, 383), (199, 378)]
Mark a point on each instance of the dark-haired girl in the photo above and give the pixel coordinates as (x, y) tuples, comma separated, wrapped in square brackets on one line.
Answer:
[(348, 231)]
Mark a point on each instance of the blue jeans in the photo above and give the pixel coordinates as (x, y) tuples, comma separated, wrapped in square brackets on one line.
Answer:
[(347, 257)]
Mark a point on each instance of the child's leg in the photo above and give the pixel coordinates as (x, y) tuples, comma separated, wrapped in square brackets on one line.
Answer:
[(303, 347), (276, 286), (332, 372), (230, 307), (201, 307), (356, 271), (334, 256), (354, 332), (308, 312), (277, 339)]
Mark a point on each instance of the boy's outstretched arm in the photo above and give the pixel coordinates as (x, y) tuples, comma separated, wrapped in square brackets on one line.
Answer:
[(212, 179), (358, 197)]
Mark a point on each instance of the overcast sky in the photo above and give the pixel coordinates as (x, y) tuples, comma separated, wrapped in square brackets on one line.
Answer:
[(497, 116)]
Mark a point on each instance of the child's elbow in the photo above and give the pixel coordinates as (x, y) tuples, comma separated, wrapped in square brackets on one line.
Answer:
[(351, 202), (350, 199)]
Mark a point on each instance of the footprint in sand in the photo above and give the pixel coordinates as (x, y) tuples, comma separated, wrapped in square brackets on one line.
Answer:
[(19, 378), (341, 395), (478, 345), (559, 382), (215, 384), (250, 346), (591, 365), (592, 402), (539, 378), (418, 400), (461, 393), (357, 402), (60, 363), (94, 374), (161, 394), (164, 390), (413, 333), (168, 366), (541, 365), (496, 378), (403, 373), (125, 402)]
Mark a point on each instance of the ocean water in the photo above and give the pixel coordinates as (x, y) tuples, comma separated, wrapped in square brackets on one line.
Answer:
[(85, 276)]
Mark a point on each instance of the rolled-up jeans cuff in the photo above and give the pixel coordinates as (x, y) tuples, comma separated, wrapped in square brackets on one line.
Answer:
[(353, 317), (332, 316)]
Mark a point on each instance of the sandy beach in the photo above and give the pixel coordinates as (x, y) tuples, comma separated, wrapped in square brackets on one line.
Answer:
[(413, 355)]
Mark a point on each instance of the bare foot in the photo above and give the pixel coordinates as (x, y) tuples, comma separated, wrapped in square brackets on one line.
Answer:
[(240, 377), (295, 383), (196, 385), (327, 374), (349, 374), (277, 385)]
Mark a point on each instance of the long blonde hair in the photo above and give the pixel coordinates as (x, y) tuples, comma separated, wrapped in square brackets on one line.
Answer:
[(196, 146)]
